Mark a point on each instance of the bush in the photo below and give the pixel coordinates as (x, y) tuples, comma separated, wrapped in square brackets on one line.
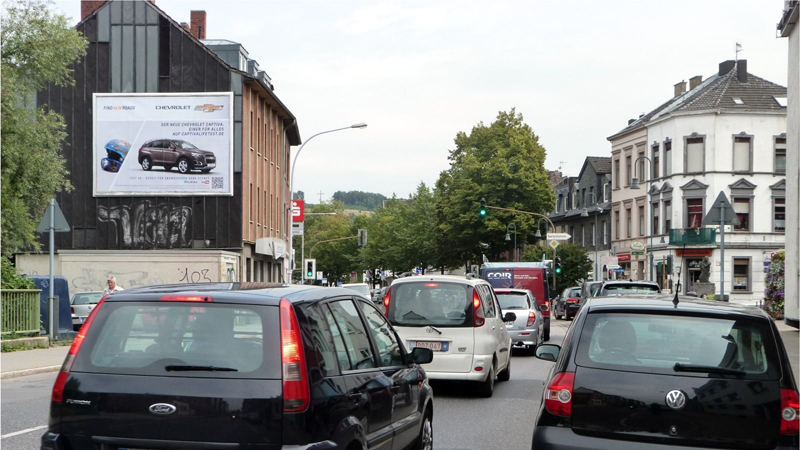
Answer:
[(774, 292), (10, 279)]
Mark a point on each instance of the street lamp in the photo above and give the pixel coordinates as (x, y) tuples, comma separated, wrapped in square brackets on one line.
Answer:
[(508, 238), (635, 185), (291, 185), (539, 227), (585, 213)]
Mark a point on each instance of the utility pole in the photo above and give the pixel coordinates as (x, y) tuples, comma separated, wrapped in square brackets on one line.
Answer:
[(320, 197)]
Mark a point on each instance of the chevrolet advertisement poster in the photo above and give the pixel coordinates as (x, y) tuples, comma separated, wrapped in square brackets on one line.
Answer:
[(163, 144)]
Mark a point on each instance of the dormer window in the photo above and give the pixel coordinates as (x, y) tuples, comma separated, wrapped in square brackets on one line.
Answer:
[(781, 101), (738, 101)]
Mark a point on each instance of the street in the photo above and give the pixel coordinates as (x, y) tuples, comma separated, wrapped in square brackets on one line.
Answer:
[(462, 421)]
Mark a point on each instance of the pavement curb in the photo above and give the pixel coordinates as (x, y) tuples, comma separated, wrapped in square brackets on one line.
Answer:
[(26, 372)]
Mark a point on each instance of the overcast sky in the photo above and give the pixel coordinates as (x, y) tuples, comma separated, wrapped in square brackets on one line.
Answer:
[(418, 72)]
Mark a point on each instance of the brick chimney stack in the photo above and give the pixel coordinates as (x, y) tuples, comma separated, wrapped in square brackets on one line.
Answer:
[(198, 24), (680, 88)]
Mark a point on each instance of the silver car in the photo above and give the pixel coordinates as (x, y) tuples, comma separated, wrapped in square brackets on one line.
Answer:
[(82, 304), (528, 329)]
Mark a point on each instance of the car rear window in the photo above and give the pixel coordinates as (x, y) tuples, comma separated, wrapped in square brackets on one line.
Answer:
[(430, 303), (87, 299), (656, 343), (148, 338), (630, 289), (512, 300), (360, 288), (575, 293)]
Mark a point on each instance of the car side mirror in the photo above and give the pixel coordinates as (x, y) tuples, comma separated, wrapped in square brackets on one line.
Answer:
[(548, 352), (509, 317), (421, 355)]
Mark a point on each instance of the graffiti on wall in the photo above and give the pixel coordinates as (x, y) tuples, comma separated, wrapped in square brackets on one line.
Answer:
[(143, 225)]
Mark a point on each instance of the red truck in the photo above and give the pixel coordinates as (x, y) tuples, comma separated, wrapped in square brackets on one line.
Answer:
[(517, 276)]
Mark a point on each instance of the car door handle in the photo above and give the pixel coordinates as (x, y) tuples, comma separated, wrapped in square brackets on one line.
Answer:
[(355, 395)]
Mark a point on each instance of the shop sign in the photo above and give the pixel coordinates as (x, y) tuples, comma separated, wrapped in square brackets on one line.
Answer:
[(624, 257), (694, 252)]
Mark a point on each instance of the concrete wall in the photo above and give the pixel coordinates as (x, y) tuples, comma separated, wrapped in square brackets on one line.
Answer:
[(792, 305), (89, 270)]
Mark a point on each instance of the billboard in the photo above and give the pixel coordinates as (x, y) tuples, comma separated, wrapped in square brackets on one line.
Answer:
[(160, 144)]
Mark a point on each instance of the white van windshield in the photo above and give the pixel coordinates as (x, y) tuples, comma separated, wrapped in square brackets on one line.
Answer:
[(430, 303)]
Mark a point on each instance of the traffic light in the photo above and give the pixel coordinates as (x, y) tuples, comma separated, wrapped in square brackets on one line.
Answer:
[(310, 269), (483, 207), (558, 264)]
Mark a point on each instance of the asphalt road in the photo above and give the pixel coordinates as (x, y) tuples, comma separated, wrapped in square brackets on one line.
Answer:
[(461, 420)]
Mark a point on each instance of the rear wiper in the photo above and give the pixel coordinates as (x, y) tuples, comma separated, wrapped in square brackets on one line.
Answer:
[(435, 329), (709, 369), (175, 368)]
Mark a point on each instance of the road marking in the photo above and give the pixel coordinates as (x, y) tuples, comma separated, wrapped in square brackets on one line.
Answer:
[(27, 430)]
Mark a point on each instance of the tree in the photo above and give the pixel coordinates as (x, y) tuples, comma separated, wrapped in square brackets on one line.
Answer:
[(335, 259), (299, 195), (38, 47), (503, 163), (360, 200), (575, 262)]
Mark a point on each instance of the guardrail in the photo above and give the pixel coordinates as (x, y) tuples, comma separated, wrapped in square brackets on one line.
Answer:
[(20, 311)]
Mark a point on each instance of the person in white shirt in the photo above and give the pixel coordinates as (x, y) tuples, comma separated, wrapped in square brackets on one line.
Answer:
[(112, 286)]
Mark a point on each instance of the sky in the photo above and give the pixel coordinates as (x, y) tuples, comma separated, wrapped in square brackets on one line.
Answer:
[(419, 72)]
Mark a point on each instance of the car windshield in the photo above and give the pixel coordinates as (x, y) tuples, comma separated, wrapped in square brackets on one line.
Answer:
[(185, 145), (630, 289), (655, 343), (89, 298), (360, 288), (430, 303), (512, 300)]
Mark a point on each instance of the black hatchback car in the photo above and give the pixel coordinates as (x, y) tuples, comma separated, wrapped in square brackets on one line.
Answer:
[(639, 372), (239, 366)]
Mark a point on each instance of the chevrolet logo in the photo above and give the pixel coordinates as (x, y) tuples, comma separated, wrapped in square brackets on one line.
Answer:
[(207, 107)]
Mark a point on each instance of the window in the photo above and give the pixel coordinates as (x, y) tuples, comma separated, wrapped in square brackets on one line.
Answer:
[(667, 216), (741, 206), (741, 274), (606, 192), (628, 169), (780, 155), (583, 197), (591, 236), (616, 173), (741, 153), (738, 101), (575, 199), (616, 224), (338, 343), (605, 234), (592, 195), (781, 101), (572, 237), (583, 237), (565, 203), (488, 301), (389, 353), (779, 215), (258, 205), (694, 157), (694, 212), (437, 304), (656, 207), (642, 173), (667, 158), (628, 217), (252, 204), (354, 335), (655, 162), (641, 221)]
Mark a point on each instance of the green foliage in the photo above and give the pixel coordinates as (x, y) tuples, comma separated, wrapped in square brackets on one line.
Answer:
[(10, 279), (575, 263), (503, 163), (38, 48), (359, 200), (774, 294)]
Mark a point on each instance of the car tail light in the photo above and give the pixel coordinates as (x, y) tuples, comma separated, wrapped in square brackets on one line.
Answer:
[(477, 310), (558, 396), (386, 300), (186, 298), (572, 300), (61, 380), (295, 385), (432, 284), (790, 412), (546, 312), (531, 318)]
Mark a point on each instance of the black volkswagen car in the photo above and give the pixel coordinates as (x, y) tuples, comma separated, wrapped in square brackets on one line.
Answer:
[(239, 366), (646, 372)]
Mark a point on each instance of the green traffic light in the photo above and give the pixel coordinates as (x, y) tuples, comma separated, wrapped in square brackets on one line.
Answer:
[(309, 274), (558, 270), (483, 212)]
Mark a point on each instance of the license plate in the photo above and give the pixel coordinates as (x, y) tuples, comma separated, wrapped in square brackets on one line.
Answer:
[(210, 166), (435, 346)]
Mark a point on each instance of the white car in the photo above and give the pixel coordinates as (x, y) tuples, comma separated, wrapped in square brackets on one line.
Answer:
[(361, 288), (81, 305), (460, 320)]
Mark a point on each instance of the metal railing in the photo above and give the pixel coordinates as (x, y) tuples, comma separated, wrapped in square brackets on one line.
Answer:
[(692, 236), (20, 311)]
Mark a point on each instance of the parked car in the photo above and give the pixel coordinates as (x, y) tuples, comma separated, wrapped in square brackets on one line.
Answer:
[(81, 305), (460, 320), (568, 303), (628, 288), (528, 330), (641, 372), (534, 279), (361, 288), (296, 367), (169, 153)]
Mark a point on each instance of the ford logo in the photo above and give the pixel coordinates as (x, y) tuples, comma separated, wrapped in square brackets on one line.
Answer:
[(162, 409)]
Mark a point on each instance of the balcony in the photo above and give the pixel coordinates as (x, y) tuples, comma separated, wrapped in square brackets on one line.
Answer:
[(693, 236)]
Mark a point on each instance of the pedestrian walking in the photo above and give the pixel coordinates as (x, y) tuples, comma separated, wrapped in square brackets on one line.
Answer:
[(112, 286)]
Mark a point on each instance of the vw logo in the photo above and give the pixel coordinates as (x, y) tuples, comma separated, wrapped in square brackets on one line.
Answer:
[(676, 399), (162, 409)]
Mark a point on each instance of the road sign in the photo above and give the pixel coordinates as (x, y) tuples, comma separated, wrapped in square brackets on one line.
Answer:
[(298, 210), (319, 275), (553, 243), (297, 228), (721, 209), (637, 253), (558, 236), (612, 266), (60, 225)]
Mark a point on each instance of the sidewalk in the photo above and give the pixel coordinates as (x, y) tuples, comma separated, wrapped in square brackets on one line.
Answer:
[(31, 362), (791, 340)]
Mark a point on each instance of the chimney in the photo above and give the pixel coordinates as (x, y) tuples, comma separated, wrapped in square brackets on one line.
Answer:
[(725, 67), (88, 7), (185, 26), (680, 88), (198, 28), (695, 81), (741, 70), (630, 121)]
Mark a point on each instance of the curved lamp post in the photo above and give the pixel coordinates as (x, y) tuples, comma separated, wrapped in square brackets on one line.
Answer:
[(585, 213), (635, 185), (508, 238)]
